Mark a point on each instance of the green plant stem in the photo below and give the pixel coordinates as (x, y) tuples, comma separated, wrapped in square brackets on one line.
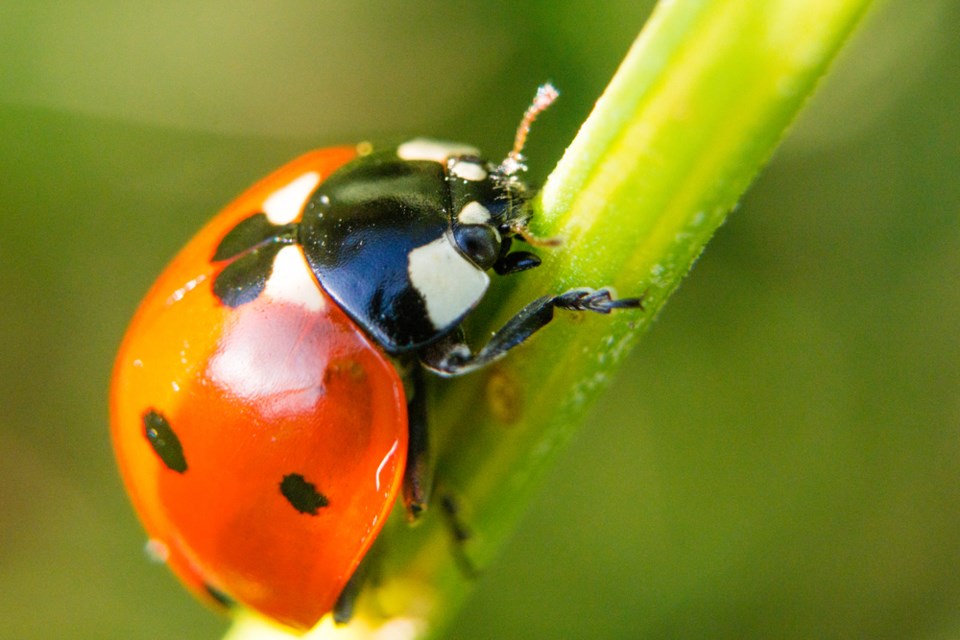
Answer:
[(696, 108)]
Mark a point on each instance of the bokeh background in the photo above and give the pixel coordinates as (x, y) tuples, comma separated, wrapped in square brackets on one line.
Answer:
[(779, 459)]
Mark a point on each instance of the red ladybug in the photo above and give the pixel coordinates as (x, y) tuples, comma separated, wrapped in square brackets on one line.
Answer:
[(258, 403)]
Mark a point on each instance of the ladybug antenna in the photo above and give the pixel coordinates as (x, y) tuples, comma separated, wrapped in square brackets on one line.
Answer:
[(513, 163)]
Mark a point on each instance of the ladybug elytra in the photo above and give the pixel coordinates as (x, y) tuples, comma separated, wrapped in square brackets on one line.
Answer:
[(258, 403)]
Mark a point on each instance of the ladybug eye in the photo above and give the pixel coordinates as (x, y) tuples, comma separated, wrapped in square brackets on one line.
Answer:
[(479, 242)]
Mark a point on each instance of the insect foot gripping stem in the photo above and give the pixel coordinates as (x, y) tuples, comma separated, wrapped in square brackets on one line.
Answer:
[(451, 356)]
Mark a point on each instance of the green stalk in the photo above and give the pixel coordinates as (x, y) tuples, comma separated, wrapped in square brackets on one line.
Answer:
[(696, 108)]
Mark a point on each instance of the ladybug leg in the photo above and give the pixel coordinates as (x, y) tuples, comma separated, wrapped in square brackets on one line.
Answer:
[(452, 357), (418, 476), (347, 600), (516, 262), (459, 533)]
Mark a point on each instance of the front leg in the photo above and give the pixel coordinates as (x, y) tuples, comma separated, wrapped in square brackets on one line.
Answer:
[(452, 357)]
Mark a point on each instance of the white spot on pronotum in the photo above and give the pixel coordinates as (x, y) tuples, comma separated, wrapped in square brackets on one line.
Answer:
[(157, 551), (292, 280), (473, 213), (467, 170), (284, 205), (434, 150), (449, 284)]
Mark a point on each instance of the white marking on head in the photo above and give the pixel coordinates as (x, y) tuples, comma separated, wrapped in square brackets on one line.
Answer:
[(292, 280), (433, 150), (284, 205), (473, 213), (449, 284), (468, 170)]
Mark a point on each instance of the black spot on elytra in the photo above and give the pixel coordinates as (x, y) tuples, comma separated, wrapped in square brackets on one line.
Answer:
[(219, 596), (245, 236), (302, 495), (164, 441), (252, 246), (245, 278)]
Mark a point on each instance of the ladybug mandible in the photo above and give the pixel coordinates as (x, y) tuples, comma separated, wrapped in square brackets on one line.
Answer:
[(258, 405)]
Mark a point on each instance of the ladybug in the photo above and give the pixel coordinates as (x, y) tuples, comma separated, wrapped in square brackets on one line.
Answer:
[(268, 403)]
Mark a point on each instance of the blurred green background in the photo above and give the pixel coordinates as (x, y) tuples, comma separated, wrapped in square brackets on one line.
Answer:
[(779, 459)]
